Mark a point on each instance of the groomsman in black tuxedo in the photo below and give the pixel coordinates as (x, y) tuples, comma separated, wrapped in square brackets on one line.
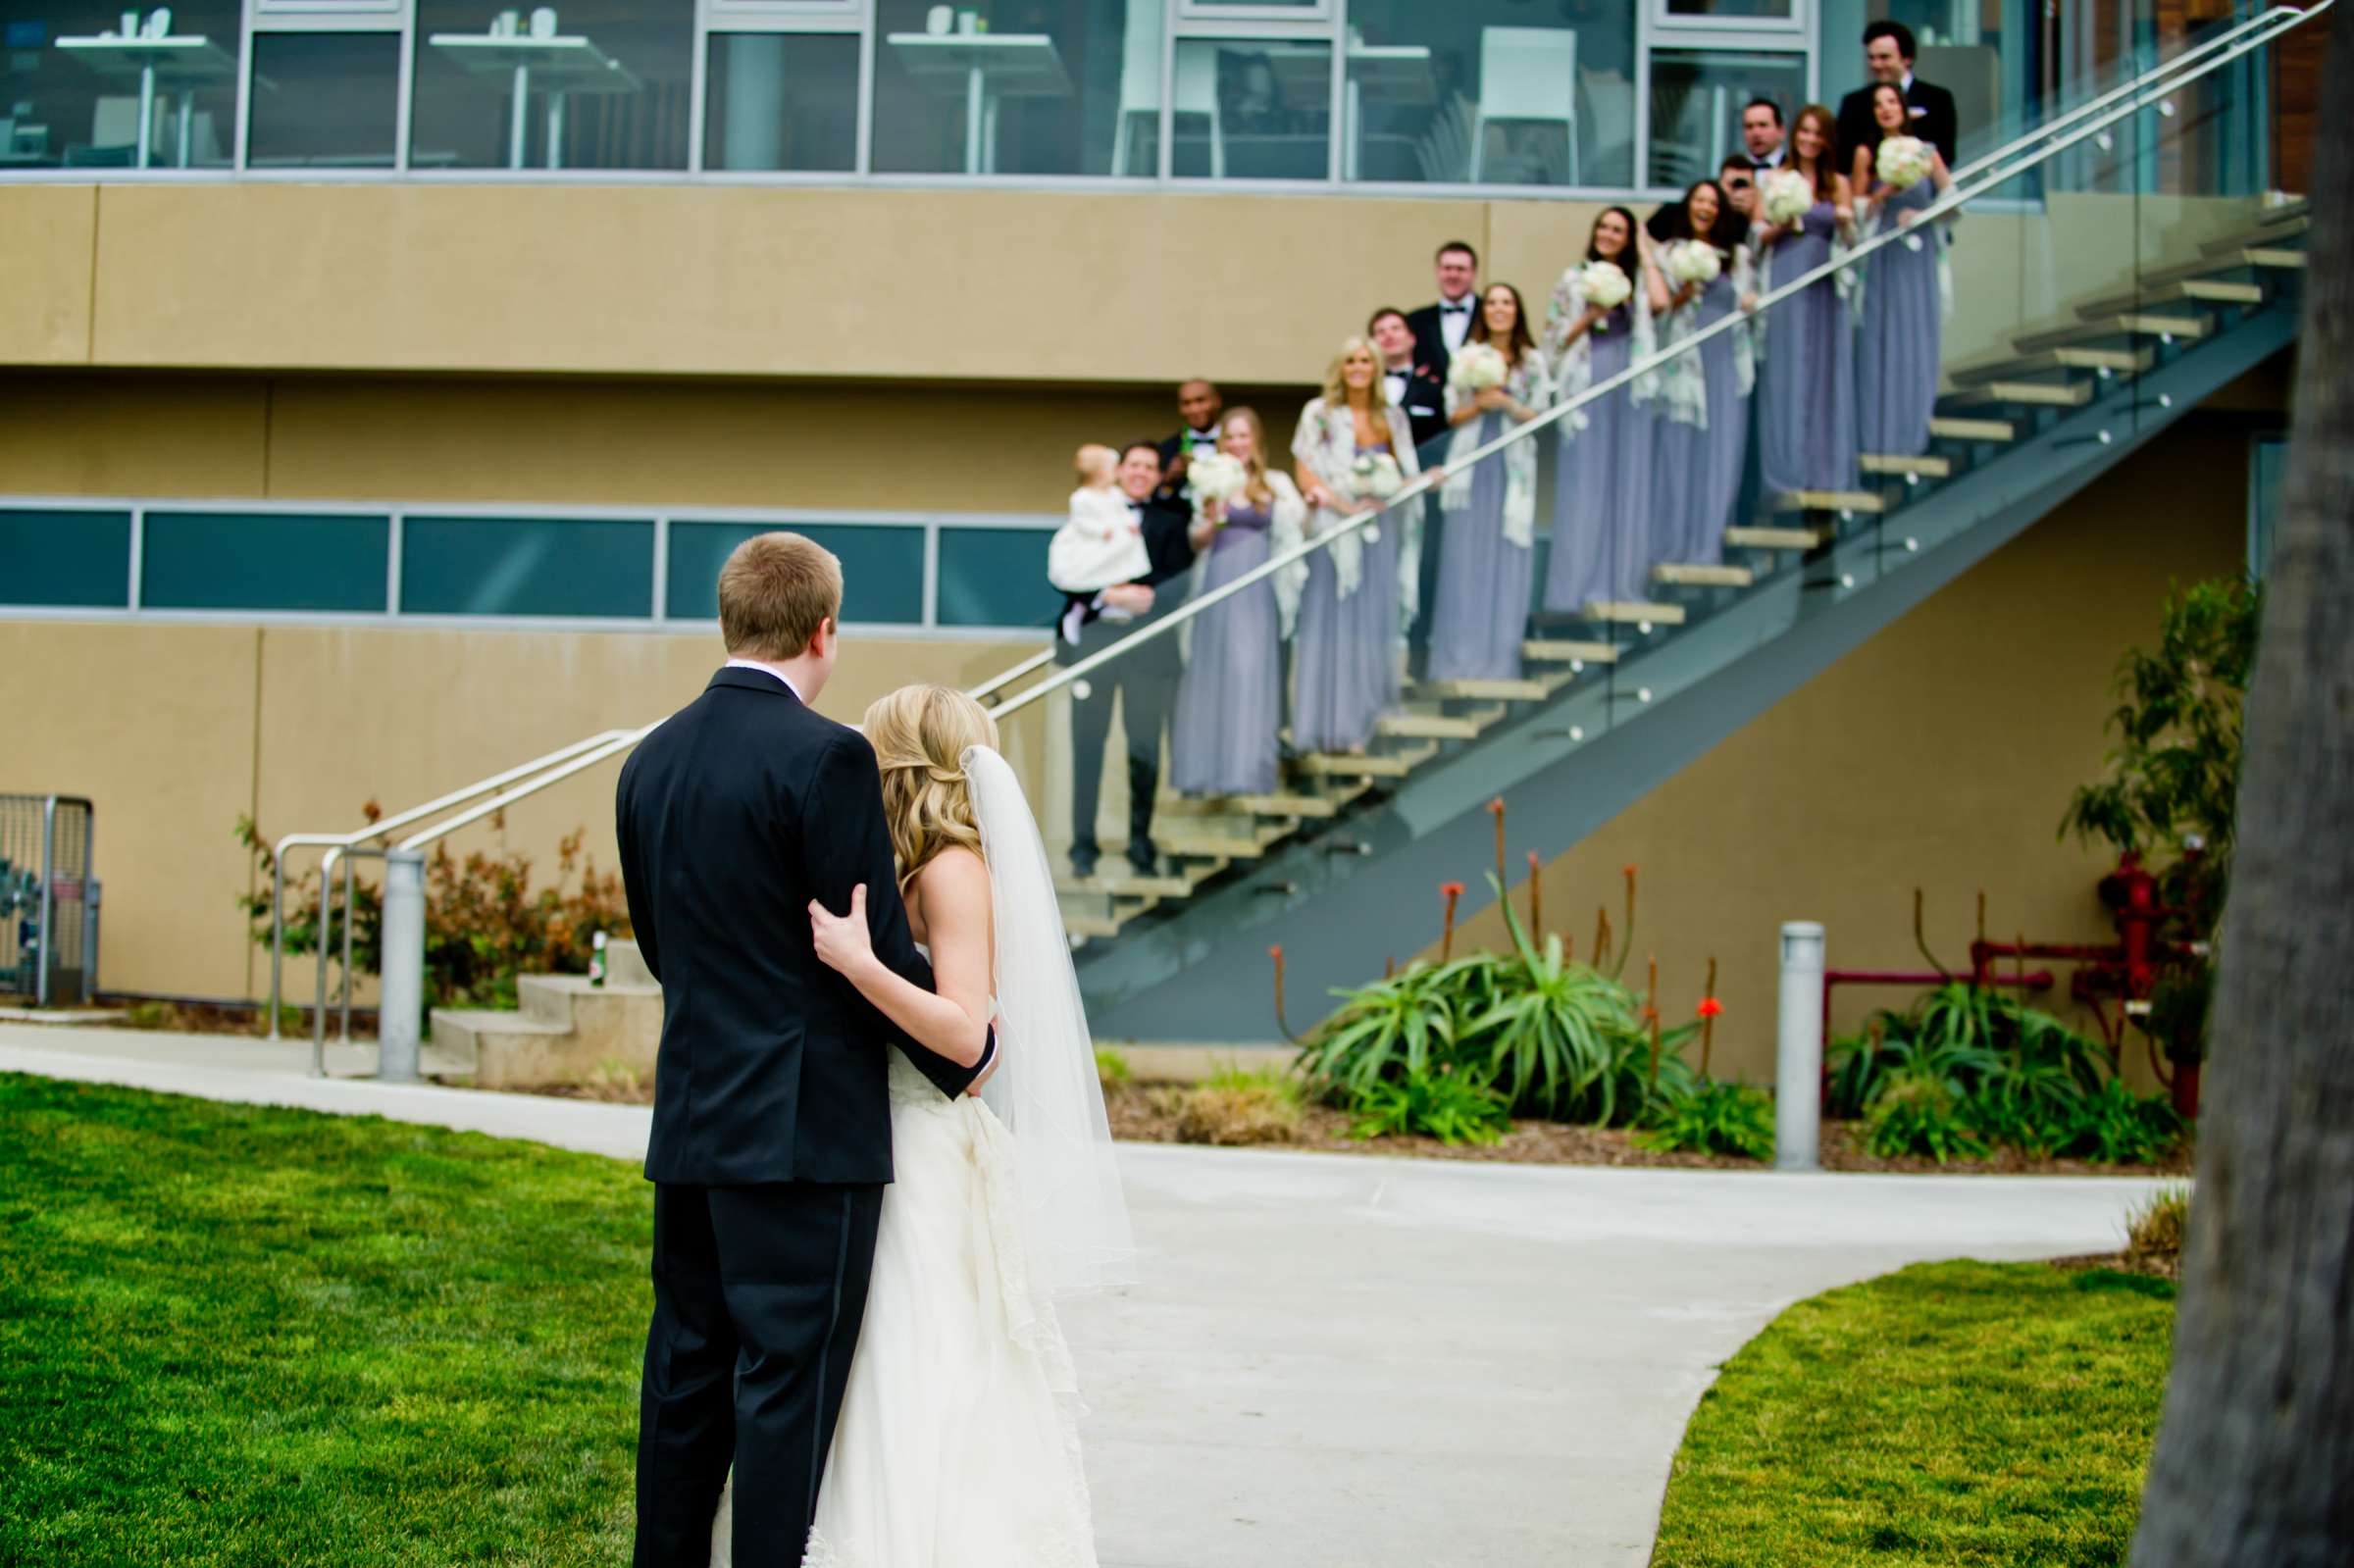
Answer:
[(1144, 679), (771, 1135), (1411, 383), (1888, 57), (1440, 327), (1201, 405), (1762, 134)]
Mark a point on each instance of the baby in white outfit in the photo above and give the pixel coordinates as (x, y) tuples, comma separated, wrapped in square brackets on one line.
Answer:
[(1100, 545)]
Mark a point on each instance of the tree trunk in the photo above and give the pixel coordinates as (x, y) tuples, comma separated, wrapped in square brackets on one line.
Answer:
[(2255, 1461)]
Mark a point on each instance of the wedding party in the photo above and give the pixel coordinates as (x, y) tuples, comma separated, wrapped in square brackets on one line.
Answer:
[(1175, 783)]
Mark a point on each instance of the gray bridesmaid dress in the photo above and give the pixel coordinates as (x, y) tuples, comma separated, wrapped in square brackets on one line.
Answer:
[(1901, 337), (1479, 616), (1344, 657), (1602, 545), (1807, 386), (1697, 482), (1222, 741)]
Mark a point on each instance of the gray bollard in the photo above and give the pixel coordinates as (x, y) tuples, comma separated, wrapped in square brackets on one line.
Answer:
[(400, 1004), (1798, 1050)]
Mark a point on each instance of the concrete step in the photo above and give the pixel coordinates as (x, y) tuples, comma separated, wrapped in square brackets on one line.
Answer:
[(2011, 366), (1752, 538), (531, 1050), (1697, 574), (1945, 428), (625, 964), (1926, 466), (2196, 291), (2132, 324)]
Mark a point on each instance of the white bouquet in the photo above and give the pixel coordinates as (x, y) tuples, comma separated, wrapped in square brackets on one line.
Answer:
[(1694, 261), (1477, 367), (1604, 284), (1786, 195), (1214, 476), (1902, 162), (1375, 476)]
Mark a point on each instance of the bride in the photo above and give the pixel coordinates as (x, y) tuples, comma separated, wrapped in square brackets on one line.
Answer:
[(959, 1441)]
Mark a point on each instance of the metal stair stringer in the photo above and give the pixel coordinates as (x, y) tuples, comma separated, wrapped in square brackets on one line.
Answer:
[(1338, 916)]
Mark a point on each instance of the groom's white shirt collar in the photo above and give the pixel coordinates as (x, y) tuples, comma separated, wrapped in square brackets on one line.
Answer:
[(768, 669)]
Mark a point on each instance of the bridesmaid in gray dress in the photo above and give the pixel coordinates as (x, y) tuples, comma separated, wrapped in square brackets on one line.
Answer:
[(1479, 615), (1807, 407), (1603, 536), (1901, 335), (1222, 741), (1698, 479), (1345, 659)]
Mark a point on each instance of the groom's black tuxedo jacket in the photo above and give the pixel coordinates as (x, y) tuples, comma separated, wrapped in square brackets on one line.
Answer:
[(733, 813)]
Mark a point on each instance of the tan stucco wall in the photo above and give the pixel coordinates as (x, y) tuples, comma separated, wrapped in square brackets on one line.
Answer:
[(1021, 286), (1939, 755), (176, 730)]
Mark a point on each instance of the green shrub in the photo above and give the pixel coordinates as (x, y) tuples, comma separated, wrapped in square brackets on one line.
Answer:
[(1111, 1067), (1918, 1112), (1237, 1107), (1452, 1107), (2154, 1233), (2115, 1125), (1712, 1116)]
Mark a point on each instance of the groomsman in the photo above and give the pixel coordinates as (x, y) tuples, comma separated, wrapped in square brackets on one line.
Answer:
[(1888, 57), (1761, 134), (1201, 405), (1440, 327), (1412, 383), (1144, 679)]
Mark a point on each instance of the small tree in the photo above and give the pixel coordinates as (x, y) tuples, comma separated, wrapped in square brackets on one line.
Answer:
[(2168, 794)]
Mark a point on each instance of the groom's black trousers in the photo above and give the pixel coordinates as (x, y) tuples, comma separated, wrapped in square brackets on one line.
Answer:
[(758, 1293)]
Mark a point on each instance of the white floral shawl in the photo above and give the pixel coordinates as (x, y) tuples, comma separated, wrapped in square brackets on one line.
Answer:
[(1325, 444), (1683, 407), (1572, 364), (1529, 383)]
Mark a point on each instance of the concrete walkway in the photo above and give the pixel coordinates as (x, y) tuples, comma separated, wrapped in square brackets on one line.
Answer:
[(1346, 1362)]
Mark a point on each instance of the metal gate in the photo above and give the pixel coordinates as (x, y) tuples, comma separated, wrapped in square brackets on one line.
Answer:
[(48, 900)]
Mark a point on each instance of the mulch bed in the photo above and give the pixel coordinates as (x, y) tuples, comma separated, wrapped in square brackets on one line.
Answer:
[(1146, 1113), (2157, 1265)]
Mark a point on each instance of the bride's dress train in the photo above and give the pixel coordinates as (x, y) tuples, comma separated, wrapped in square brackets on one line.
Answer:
[(958, 1443)]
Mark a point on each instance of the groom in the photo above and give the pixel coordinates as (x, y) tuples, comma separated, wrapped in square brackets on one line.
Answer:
[(772, 1123)]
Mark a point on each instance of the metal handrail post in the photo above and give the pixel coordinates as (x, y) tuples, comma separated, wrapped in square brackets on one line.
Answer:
[(351, 914), (47, 950), (1953, 200), (401, 1008), (277, 932)]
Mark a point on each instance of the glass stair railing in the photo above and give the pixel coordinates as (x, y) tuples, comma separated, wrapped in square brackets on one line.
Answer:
[(2071, 300)]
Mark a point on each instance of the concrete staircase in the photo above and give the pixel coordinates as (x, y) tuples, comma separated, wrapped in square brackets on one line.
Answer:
[(563, 1030)]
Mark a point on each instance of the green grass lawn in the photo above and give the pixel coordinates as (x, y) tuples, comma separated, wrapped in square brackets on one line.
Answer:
[(231, 1335), (1952, 1413)]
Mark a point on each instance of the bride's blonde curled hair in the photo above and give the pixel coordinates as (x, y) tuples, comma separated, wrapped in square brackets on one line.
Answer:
[(920, 735)]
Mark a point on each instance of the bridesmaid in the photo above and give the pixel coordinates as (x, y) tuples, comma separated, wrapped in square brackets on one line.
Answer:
[(1900, 337), (1698, 479), (1807, 413), (1602, 530), (1223, 738), (1479, 611), (1345, 661)]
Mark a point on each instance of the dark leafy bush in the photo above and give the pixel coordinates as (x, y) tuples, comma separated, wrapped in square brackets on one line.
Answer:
[(1917, 1112), (2116, 1125), (1452, 1107), (1711, 1116)]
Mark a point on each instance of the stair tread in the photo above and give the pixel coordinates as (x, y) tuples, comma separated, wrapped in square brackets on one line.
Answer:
[(1436, 725), (1948, 428), (1558, 650), (1635, 611), (2275, 225), (1927, 463), (1767, 538), (1500, 690), (2126, 323), (2218, 263), (498, 1021), (1694, 573), (2064, 357), (2044, 394), (1829, 501), (2200, 289)]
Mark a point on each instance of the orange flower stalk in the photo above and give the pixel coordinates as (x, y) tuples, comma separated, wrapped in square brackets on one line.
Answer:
[(1276, 952), (1452, 893), (1710, 1008), (1536, 899), (1496, 810)]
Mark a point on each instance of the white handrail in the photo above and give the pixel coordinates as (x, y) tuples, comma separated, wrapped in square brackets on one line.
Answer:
[(2284, 19), (621, 741)]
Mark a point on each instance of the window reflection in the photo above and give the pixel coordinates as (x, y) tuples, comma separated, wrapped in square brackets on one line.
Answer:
[(71, 86), (1696, 102), (606, 86), (325, 100), (1252, 109), (776, 100), (1491, 92), (1035, 87)]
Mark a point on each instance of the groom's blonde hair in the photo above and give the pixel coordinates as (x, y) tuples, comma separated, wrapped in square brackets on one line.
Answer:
[(920, 735), (775, 592)]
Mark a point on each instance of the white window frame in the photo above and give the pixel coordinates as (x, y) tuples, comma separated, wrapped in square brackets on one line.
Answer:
[(1212, 13), (1324, 23), (1692, 41), (396, 16), (1798, 23)]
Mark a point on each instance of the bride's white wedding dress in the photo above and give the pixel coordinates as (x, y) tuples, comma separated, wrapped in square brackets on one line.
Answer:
[(959, 1441)]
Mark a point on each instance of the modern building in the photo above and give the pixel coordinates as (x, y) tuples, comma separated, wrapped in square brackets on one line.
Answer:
[(383, 380)]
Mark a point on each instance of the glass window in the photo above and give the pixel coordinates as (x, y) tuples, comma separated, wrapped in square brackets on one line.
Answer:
[(1049, 87), (607, 89), (2268, 466), (70, 86), (1733, 10), (1697, 96), (996, 576), (325, 100), (1492, 92), (65, 559), (526, 566), (882, 568), (776, 100), (263, 561), (1253, 108)]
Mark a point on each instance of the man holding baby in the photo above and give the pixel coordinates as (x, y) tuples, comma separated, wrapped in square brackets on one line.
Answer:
[(1117, 562)]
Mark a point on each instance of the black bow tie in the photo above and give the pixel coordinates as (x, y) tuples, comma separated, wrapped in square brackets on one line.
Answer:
[(1455, 310)]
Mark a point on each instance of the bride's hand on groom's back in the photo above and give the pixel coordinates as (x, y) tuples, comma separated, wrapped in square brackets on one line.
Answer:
[(844, 942)]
